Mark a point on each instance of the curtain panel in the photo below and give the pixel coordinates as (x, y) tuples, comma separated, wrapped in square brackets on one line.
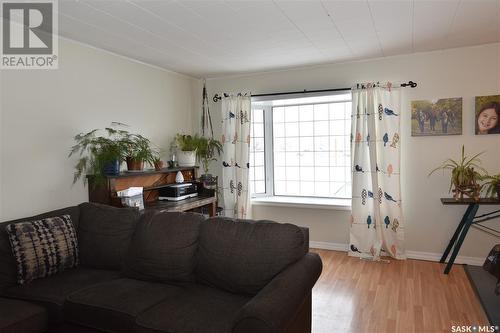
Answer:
[(376, 226), (236, 113)]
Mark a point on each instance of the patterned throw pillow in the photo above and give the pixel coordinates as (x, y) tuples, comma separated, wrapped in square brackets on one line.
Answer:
[(44, 247)]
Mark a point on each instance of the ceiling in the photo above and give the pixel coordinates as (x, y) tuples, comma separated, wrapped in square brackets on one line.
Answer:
[(215, 38)]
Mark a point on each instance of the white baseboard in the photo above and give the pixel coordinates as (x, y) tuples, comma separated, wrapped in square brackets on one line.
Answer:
[(428, 256), (329, 246)]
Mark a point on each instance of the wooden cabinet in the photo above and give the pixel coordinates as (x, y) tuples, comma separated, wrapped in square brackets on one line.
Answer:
[(151, 181)]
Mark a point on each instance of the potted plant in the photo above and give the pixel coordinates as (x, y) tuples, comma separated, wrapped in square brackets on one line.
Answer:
[(136, 148), (186, 152), (463, 175), (492, 185), (98, 155), (206, 151), (138, 151), (157, 162)]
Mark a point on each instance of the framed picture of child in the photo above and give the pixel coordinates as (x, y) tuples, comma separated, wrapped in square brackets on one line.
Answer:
[(487, 114), (436, 117)]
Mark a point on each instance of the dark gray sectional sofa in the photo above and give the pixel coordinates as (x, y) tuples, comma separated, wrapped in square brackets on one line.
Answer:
[(166, 272)]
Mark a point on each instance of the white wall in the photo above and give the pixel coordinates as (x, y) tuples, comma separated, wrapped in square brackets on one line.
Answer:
[(465, 72), (43, 110)]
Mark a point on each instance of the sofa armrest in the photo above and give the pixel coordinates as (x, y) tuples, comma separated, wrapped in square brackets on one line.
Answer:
[(275, 306)]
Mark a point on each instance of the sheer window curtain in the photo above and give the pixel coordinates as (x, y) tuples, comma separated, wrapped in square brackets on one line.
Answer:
[(236, 113), (376, 226)]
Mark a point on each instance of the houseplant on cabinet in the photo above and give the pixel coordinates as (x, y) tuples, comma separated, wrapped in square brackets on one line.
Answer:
[(102, 155), (464, 177), (138, 151), (186, 152), (98, 155)]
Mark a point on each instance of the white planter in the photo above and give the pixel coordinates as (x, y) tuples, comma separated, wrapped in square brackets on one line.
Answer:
[(186, 158)]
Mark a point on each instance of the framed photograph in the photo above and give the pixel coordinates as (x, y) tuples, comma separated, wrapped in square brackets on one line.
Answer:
[(487, 115), (436, 117)]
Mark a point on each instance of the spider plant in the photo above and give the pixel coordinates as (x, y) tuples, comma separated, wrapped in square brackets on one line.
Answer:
[(491, 185), (462, 171)]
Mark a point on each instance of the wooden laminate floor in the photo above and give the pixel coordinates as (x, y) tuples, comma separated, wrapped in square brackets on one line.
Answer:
[(354, 295)]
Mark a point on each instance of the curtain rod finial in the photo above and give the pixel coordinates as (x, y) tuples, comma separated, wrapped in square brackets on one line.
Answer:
[(216, 98), (409, 84)]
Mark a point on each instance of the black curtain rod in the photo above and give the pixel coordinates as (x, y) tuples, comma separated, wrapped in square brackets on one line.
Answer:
[(217, 98)]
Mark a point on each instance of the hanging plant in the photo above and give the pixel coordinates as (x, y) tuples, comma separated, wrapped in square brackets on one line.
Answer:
[(206, 151)]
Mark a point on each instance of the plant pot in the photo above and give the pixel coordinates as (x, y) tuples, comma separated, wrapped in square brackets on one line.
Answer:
[(186, 158), (206, 177), (158, 165), (134, 164), (112, 168)]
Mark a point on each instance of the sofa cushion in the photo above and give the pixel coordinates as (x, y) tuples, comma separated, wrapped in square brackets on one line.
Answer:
[(43, 247), (305, 230), (113, 306), (52, 292), (243, 257), (163, 247), (21, 317), (104, 234), (8, 268), (197, 309)]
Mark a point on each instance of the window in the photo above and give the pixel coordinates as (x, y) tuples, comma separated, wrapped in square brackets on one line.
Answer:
[(257, 162), (301, 147)]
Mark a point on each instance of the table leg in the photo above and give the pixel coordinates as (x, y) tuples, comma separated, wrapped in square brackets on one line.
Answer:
[(212, 209), (455, 235), (456, 249)]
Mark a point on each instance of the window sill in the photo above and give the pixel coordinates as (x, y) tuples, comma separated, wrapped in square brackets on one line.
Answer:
[(302, 202)]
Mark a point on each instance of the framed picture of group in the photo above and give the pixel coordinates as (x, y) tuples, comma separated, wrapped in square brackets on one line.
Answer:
[(444, 116), (436, 117), (487, 115)]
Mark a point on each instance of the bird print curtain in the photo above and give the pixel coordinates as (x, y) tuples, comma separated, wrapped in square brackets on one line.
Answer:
[(235, 162), (376, 226)]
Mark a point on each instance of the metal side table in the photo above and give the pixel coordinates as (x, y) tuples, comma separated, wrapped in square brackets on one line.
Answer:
[(469, 219)]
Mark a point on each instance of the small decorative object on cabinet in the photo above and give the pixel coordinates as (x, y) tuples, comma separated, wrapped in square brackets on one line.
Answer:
[(464, 178), (173, 164), (179, 178)]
